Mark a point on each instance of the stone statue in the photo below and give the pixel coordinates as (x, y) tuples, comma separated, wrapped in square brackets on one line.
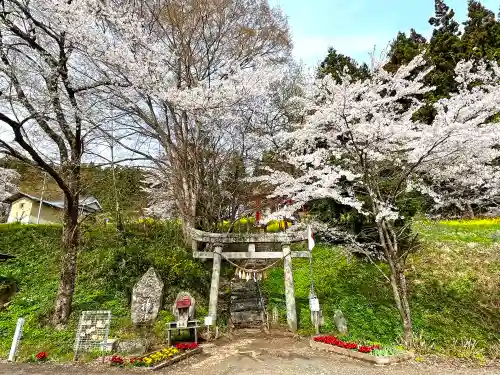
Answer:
[(146, 298), (340, 322)]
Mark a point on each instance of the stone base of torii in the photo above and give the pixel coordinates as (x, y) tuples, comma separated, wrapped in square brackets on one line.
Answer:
[(221, 240)]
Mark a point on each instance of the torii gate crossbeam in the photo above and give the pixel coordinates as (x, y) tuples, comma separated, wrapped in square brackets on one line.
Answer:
[(219, 239)]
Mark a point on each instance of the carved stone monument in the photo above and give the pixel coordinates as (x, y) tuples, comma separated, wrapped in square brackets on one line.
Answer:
[(146, 298), (340, 322)]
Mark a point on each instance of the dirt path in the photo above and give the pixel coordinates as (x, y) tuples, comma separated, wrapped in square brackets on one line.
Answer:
[(262, 356)]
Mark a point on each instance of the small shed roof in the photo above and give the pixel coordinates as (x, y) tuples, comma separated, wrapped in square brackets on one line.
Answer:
[(88, 204)]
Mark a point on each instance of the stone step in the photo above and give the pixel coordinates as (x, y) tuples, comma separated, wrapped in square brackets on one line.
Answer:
[(250, 293), (258, 326), (250, 299), (244, 317), (245, 286), (246, 307), (243, 307), (253, 331)]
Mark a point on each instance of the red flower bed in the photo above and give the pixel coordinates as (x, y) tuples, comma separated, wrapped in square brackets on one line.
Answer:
[(332, 340), (42, 356), (116, 360), (186, 345), (137, 361)]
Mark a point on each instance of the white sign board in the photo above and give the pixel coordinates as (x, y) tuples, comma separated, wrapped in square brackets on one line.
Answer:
[(182, 324), (208, 320), (314, 304)]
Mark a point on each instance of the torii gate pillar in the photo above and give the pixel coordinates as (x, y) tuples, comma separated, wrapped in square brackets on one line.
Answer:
[(214, 288), (291, 312)]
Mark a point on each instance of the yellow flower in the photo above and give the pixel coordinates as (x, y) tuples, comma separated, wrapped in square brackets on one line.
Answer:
[(472, 222), (157, 356), (147, 360)]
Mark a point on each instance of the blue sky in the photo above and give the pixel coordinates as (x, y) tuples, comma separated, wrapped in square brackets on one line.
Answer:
[(354, 27)]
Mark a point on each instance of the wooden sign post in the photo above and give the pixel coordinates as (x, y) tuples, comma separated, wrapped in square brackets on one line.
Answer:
[(314, 307)]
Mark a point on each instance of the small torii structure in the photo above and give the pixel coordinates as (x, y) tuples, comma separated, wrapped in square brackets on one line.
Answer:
[(218, 240)]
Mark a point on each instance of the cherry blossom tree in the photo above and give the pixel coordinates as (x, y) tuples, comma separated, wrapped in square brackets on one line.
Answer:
[(157, 73), (218, 53), (9, 180), (359, 146), (58, 62), (238, 116)]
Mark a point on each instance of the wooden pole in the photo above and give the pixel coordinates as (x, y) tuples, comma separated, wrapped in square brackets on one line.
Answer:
[(291, 313), (214, 288), (316, 322)]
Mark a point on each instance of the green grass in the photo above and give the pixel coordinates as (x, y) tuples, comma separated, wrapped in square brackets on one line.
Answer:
[(453, 285), (108, 268), (352, 286)]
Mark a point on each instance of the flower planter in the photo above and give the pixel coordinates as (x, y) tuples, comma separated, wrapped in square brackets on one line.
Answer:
[(175, 359), (362, 356)]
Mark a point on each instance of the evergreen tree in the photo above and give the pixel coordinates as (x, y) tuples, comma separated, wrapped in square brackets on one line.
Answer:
[(335, 63), (404, 49), (445, 50), (481, 37)]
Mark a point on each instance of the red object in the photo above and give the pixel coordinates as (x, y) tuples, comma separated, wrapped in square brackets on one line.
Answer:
[(186, 345), (183, 303), (332, 340), (42, 356), (116, 360), (257, 216), (365, 349), (134, 361)]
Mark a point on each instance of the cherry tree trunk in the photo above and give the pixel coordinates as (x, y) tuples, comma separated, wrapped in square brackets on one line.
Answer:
[(405, 311), (470, 211), (398, 280), (64, 298)]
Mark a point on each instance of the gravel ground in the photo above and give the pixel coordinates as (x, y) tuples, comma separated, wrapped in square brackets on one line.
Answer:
[(266, 356)]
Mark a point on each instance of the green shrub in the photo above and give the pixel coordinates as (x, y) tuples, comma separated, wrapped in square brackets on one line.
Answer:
[(109, 264)]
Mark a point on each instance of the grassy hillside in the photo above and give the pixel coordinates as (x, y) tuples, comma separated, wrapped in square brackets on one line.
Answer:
[(108, 268), (454, 283)]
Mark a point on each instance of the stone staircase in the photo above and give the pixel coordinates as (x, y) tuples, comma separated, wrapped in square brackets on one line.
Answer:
[(247, 309)]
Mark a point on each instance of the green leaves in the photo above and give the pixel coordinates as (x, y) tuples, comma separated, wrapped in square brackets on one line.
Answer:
[(108, 267), (335, 64)]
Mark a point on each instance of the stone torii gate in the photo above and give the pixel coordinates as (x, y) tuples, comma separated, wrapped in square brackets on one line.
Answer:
[(218, 240)]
